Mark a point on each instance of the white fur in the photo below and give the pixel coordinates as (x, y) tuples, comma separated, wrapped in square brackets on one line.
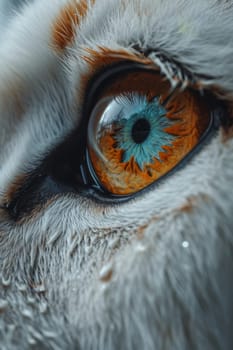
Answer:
[(171, 288)]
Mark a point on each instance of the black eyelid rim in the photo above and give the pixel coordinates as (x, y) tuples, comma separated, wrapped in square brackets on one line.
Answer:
[(102, 76)]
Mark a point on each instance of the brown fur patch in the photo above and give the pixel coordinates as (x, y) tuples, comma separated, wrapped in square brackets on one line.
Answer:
[(13, 189), (142, 228), (227, 129), (98, 59), (227, 134), (68, 21), (105, 57), (191, 203), (140, 231), (106, 278), (188, 206)]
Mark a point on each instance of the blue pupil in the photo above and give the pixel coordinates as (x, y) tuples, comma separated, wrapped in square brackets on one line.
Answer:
[(141, 130)]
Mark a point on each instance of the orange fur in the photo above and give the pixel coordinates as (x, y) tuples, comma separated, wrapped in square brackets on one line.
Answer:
[(68, 21), (14, 188), (104, 57)]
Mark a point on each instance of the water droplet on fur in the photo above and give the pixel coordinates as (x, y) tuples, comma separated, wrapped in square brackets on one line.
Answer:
[(6, 282), (141, 248), (40, 288), (185, 244), (31, 300), (22, 287), (43, 308), (106, 272), (27, 313), (49, 334), (32, 341)]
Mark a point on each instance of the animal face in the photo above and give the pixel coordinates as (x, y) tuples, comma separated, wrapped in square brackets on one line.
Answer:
[(116, 158)]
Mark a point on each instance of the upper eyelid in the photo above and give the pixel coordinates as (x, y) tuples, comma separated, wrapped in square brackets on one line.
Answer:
[(170, 73), (176, 73), (171, 67)]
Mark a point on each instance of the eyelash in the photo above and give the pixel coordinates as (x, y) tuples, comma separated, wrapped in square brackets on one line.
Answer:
[(65, 170)]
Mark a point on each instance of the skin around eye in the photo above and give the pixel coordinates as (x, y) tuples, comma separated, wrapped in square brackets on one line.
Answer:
[(135, 136)]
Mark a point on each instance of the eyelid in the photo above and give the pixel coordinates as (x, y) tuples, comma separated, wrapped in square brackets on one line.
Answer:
[(98, 80)]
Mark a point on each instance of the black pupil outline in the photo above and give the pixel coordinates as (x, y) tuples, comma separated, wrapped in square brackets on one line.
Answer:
[(140, 130)]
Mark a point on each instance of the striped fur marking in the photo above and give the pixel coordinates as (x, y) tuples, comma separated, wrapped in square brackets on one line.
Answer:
[(68, 21)]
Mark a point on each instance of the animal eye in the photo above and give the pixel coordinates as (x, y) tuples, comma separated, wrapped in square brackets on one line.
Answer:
[(137, 134)]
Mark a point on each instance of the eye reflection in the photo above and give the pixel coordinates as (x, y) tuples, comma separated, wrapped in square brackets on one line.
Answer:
[(140, 133), (134, 139)]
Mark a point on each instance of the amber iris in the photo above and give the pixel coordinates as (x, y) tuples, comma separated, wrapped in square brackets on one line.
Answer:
[(135, 136)]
